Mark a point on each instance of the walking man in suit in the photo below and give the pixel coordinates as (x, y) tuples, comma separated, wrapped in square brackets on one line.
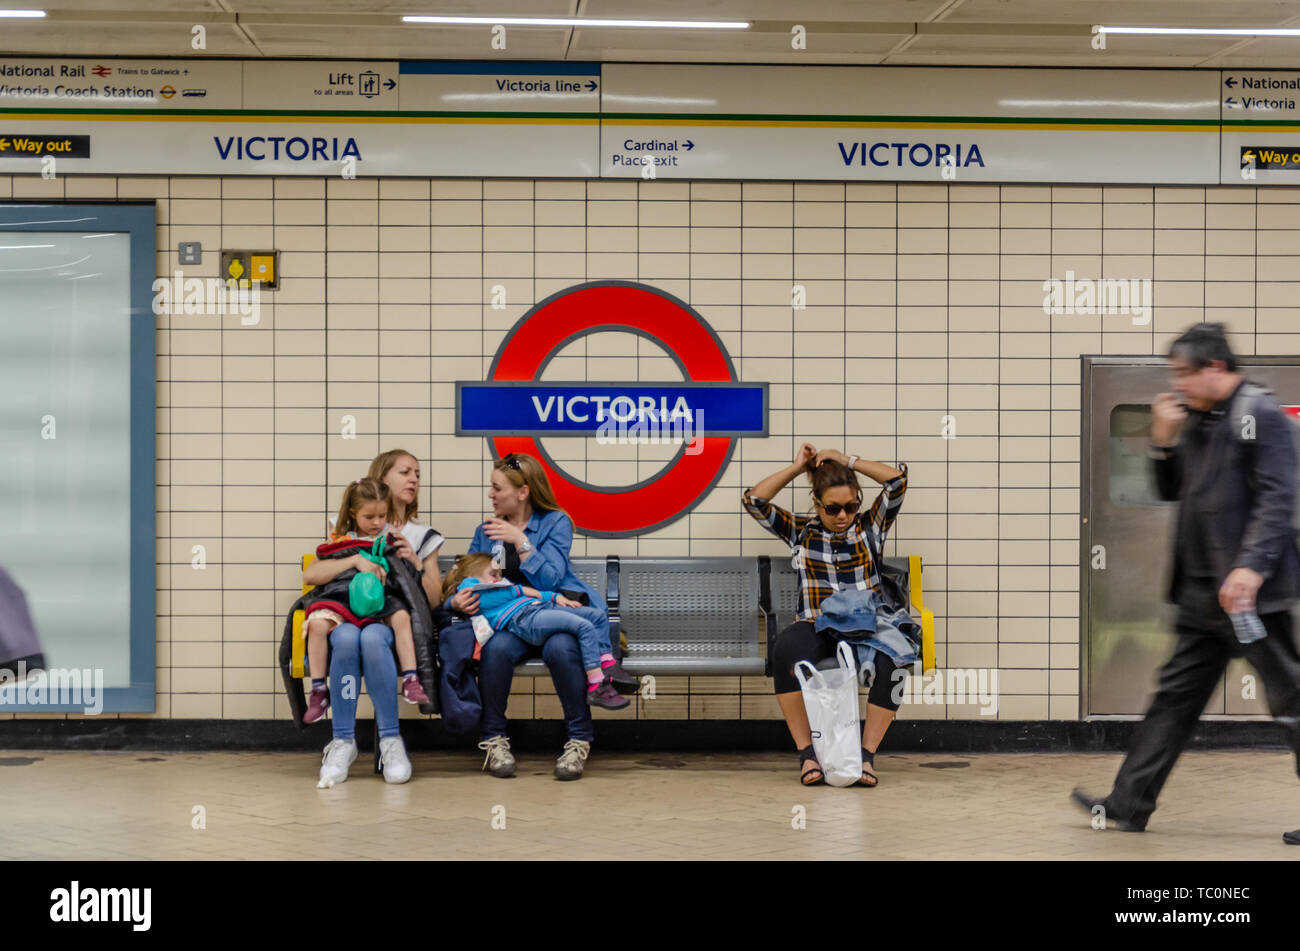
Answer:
[(1232, 470)]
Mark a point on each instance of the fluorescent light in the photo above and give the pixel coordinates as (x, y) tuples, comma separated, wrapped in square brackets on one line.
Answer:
[(1199, 31), (22, 13), (583, 21)]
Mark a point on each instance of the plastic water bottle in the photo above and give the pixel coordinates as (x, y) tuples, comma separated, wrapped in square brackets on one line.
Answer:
[(499, 555), (1247, 625)]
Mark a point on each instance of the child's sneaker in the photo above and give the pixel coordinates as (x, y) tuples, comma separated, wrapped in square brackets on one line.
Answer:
[(317, 704), (606, 696), (412, 692)]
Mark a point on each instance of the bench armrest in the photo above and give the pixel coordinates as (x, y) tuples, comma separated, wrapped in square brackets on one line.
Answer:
[(927, 617), (611, 601), (765, 608), (611, 583)]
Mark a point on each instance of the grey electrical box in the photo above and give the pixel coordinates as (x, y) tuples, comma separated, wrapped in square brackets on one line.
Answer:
[(190, 252)]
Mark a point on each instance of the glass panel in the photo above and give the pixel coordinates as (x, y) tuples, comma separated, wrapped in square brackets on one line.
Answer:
[(1130, 470), (65, 429)]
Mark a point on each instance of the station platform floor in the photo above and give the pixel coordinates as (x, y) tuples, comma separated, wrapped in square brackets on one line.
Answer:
[(142, 805)]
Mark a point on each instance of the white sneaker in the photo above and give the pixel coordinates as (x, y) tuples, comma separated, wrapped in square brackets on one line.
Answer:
[(339, 755), (392, 760)]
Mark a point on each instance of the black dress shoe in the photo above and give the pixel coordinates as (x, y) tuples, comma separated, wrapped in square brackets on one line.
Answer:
[(622, 680), (1291, 838), (1135, 823)]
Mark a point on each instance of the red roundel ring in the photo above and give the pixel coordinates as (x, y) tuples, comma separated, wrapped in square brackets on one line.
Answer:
[(639, 308)]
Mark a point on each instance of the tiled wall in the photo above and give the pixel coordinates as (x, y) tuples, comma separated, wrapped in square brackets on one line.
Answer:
[(923, 300)]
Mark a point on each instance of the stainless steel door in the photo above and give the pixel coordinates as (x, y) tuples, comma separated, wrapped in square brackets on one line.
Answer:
[(1126, 627)]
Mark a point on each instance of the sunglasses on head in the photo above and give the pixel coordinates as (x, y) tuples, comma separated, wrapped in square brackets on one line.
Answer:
[(834, 508), (510, 462)]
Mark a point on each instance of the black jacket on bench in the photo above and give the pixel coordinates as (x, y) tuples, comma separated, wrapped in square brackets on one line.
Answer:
[(403, 584)]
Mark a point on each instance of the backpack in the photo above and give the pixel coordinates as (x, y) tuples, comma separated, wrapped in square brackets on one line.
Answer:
[(1250, 398), (365, 590)]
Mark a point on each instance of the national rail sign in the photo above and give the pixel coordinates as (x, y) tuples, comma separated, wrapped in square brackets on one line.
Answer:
[(708, 410)]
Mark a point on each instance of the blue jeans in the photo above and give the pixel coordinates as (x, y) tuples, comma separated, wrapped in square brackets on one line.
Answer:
[(536, 622), (356, 652), (561, 655)]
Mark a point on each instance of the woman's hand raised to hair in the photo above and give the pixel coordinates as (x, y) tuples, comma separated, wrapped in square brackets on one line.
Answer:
[(806, 454), (833, 454)]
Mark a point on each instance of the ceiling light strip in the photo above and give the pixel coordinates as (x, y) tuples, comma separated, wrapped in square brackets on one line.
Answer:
[(582, 22)]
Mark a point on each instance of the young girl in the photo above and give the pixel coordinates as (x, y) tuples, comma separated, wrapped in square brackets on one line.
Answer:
[(362, 515), (529, 615)]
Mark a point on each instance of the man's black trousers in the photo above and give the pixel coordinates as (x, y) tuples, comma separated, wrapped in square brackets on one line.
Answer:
[(1206, 643)]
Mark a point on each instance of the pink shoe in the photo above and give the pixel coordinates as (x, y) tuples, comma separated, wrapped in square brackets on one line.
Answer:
[(317, 704), (412, 692)]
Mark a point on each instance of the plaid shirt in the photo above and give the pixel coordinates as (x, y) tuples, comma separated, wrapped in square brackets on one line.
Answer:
[(825, 561)]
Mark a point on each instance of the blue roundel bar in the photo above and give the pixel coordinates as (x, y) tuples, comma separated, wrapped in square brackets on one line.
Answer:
[(585, 409)]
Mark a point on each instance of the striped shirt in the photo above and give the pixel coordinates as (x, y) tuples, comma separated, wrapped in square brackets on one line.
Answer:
[(826, 561)]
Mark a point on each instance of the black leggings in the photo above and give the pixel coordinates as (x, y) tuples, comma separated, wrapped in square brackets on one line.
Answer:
[(800, 641)]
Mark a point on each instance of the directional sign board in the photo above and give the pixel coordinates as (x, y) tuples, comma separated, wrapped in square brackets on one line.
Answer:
[(162, 85), (1261, 127), (312, 85), (909, 124), (501, 87), (686, 121)]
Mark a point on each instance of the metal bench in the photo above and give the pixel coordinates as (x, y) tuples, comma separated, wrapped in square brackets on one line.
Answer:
[(704, 616), (690, 615)]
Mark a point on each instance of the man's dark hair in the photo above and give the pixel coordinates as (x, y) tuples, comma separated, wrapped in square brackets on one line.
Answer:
[(1201, 344)]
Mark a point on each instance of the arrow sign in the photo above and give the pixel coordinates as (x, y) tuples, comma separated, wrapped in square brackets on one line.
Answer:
[(1230, 103), (390, 84), (4, 145), (1229, 82), (591, 85), (688, 145)]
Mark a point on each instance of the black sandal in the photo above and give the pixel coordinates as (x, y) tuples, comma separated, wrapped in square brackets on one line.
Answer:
[(868, 759), (805, 755)]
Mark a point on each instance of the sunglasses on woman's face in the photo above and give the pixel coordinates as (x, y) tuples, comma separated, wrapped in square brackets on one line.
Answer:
[(834, 508)]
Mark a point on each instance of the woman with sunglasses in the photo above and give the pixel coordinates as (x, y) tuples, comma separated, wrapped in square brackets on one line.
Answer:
[(832, 551), (535, 535)]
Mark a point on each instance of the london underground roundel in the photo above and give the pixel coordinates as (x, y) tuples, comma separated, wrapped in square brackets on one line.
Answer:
[(707, 411)]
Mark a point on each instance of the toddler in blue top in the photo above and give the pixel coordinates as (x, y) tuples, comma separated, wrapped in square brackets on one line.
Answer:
[(533, 616)]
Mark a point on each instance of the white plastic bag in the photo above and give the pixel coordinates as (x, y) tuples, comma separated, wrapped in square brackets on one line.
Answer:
[(831, 699)]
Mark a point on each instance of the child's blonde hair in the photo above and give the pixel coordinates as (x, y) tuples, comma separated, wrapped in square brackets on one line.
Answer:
[(467, 566), (356, 495)]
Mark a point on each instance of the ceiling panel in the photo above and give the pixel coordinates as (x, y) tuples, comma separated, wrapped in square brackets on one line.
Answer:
[(997, 32), (1058, 50), (211, 6), (695, 45), (48, 38), (407, 42), (880, 11), (404, 7), (1238, 13)]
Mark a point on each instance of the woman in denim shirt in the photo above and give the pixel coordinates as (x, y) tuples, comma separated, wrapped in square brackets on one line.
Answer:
[(537, 536)]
